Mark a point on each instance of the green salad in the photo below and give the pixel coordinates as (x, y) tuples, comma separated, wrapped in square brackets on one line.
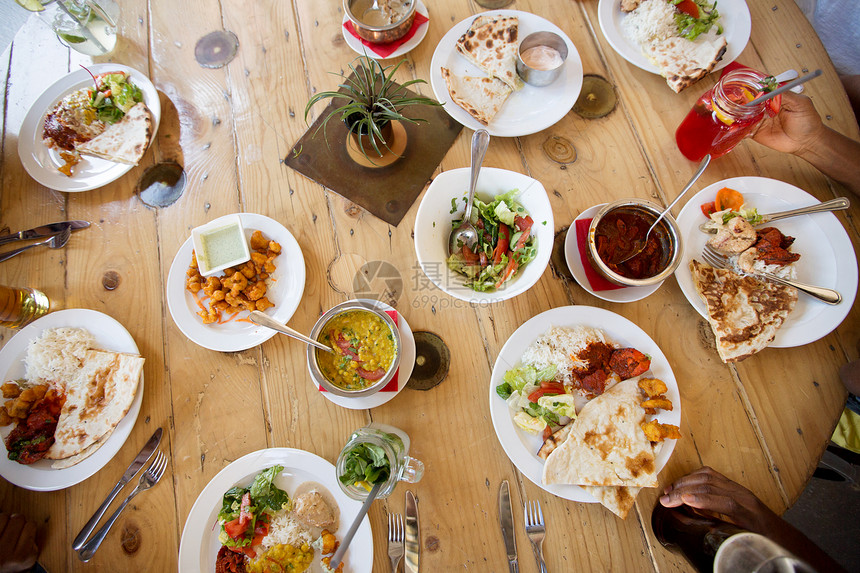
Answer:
[(246, 511), (696, 17), (113, 96), (505, 243), (538, 400)]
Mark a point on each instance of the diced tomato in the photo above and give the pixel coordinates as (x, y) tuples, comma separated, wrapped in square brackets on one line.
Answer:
[(245, 515), (550, 385), (510, 269), (371, 375), (480, 223), (533, 397), (688, 7), (470, 257), (482, 259), (234, 528), (709, 208), (728, 198), (547, 432), (346, 346), (502, 243), (523, 223)]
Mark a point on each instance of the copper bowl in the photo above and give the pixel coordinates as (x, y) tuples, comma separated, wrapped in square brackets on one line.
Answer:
[(667, 232), (379, 34)]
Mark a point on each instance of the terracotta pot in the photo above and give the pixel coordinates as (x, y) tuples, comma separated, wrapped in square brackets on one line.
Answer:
[(363, 140)]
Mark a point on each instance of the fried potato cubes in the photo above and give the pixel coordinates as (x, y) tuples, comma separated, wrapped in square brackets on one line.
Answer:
[(239, 288), (655, 390), (20, 400)]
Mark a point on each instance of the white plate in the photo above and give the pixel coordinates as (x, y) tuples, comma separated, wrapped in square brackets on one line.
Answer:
[(528, 110), (574, 263), (407, 363), (522, 447), (109, 335), (433, 227), (199, 545), (286, 286), (826, 255), (734, 16), (405, 47), (92, 172)]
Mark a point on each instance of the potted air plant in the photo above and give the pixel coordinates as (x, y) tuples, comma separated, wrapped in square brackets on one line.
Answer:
[(372, 101)]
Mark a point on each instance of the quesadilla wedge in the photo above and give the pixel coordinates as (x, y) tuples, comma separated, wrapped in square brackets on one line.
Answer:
[(480, 97), (97, 399), (491, 43), (683, 62), (606, 446), (125, 141)]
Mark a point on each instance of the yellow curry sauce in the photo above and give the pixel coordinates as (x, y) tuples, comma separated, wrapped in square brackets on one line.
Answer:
[(364, 349), (282, 558)]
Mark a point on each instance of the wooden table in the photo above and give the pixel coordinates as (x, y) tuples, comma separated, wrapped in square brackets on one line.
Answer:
[(764, 422)]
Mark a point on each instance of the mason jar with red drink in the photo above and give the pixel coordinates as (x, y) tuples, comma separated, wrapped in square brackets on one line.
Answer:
[(720, 119)]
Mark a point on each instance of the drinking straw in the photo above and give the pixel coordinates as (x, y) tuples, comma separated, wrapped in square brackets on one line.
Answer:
[(784, 88)]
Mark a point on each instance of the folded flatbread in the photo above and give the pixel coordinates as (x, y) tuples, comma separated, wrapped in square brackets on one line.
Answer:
[(78, 458), (683, 62), (480, 97), (745, 313), (618, 500), (125, 141), (606, 446), (491, 43), (97, 399)]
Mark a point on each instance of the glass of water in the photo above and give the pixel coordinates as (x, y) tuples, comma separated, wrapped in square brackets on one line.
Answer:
[(86, 26)]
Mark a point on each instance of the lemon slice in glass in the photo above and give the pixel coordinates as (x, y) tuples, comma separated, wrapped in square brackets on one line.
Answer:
[(71, 38), (31, 5)]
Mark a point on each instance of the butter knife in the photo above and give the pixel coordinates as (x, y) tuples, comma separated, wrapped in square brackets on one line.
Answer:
[(135, 466), (43, 232), (506, 521), (413, 535)]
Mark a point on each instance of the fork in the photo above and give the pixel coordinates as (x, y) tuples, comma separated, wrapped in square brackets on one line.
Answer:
[(57, 241), (395, 540), (149, 478), (536, 530), (720, 261)]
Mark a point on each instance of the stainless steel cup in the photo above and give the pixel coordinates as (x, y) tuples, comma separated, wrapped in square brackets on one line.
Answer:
[(534, 76)]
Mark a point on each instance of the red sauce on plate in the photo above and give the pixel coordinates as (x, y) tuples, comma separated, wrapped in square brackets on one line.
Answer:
[(619, 233)]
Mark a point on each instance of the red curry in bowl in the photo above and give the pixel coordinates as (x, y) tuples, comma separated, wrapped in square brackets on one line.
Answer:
[(620, 232)]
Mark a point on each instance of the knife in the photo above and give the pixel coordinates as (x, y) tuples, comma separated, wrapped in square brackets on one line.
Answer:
[(413, 539), (43, 232), (135, 466), (506, 521)]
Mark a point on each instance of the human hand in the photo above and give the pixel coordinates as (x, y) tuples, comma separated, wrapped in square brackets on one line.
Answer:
[(18, 550), (713, 493), (795, 129)]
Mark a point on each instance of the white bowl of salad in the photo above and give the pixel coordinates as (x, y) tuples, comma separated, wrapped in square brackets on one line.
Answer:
[(514, 218)]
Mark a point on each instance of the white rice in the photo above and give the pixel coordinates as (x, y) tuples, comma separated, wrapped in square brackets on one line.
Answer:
[(58, 354), (560, 346), (653, 21), (285, 529)]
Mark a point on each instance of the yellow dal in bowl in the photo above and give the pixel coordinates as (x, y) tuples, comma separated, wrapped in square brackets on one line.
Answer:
[(364, 349)]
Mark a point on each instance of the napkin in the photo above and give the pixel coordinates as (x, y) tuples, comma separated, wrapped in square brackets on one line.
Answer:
[(596, 281), (392, 384), (385, 50)]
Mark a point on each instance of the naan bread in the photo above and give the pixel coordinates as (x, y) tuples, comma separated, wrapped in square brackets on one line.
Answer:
[(606, 446), (125, 141), (96, 400), (618, 500), (480, 97), (78, 458), (683, 62), (491, 43), (744, 313)]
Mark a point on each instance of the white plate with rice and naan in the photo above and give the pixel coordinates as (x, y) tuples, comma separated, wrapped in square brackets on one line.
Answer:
[(522, 446), (107, 334)]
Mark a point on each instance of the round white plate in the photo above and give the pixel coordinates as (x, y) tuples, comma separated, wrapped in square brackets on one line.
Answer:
[(407, 363), (286, 286), (574, 263), (92, 172), (528, 110), (522, 447), (826, 255), (199, 545), (734, 16), (405, 47), (433, 227), (109, 335)]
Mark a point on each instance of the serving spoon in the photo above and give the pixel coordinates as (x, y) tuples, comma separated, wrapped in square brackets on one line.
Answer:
[(833, 205), (57, 241), (465, 233), (258, 317), (640, 244)]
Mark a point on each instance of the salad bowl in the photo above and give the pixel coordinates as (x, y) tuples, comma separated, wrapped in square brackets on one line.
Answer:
[(444, 202)]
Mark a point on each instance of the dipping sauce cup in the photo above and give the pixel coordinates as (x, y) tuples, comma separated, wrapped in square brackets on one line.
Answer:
[(540, 58), (719, 120)]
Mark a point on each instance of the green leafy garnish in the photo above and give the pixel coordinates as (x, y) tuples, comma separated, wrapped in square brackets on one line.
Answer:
[(365, 463), (690, 27)]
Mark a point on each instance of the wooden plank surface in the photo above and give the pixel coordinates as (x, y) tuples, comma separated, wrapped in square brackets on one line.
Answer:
[(763, 422)]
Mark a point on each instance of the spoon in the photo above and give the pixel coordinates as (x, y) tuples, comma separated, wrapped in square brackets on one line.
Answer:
[(373, 15), (465, 234), (833, 205), (338, 555), (784, 88), (258, 317), (57, 241), (640, 245)]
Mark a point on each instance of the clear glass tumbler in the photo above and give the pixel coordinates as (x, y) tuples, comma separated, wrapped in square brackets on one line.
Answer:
[(395, 444), (21, 306), (86, 26)]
